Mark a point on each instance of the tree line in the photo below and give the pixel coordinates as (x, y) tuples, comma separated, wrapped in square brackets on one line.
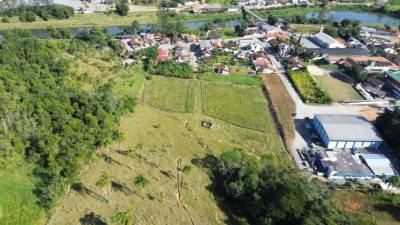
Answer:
[(28, 13)]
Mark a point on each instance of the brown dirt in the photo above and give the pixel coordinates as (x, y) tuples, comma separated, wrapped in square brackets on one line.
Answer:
[(353, 204), (371, 114)]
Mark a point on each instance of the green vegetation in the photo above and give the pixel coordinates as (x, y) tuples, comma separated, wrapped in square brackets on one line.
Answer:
[(170, 68), (241, 70), (28, 13), (388, 125), (308, 88), (284, 11), (175, 95), (265, 193), (236, 79), (283, 105), (305, 28), (338, 87), (66, 116), (227, 33), (372, 207), (247, 105), (122, 9)]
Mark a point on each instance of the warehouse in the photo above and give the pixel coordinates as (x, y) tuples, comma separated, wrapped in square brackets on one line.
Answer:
[(327, 41), (346, 131)]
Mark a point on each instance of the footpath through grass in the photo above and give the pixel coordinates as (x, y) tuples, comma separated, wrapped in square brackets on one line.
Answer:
[(169, 94), (282, 104), (241, 105), (338, 87)]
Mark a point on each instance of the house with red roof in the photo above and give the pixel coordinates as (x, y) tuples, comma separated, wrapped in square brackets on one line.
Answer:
[(223, 69)]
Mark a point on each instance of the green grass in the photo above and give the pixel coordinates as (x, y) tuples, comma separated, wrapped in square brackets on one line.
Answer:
[(227, 33), (242, 105), (369, 207), (236, 79), (338, 88), (305, 28), (394, 2), (240, 70), (380, 25), (169, 94), (18, 204)]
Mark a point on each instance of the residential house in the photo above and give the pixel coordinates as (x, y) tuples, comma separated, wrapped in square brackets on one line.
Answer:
[(395, 58), (229, 45), (263, 66), (214, 37), (370, 64), (294, 63), (376, 83), (252, 31), (257, 56), (122, 43), (178, 41), (234, 9), (223, 69), (283, 49), (183, 54), (397, 34), (157, 36), (242, 55), (165, 41), (386, 48), (243, 43), (205, 44), (191, 2), (128, 55), (147, 36), (180, 59), (372, 30), (140, 42), (286, 28), (162, 54), (242, 2), (274, 42)]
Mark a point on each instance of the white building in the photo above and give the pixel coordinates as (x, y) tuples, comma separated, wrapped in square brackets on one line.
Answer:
[(283, 49), (326, 41)]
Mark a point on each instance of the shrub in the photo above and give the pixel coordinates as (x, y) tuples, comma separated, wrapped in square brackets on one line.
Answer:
[(5, 19), (308, 88)]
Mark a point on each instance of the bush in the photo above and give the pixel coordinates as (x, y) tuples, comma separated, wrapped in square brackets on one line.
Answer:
[(170, 68), (29, 13), (122, 9), (5, 19), (308, 88)]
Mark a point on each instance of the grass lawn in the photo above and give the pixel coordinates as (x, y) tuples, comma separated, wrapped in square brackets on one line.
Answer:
[(178, 136), (369, 207), (169, 94), (305, 28), (240, 70), (18, 204), (282, 103), (338, 88), (236, 79), (242, 105), (227, 33)]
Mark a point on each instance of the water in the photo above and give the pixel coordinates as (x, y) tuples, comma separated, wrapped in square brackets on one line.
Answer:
[(42, 33), (364, 17)]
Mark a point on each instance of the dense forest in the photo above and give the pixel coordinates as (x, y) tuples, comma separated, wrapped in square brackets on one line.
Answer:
[(388, 125), (46, 114), (265, 193)]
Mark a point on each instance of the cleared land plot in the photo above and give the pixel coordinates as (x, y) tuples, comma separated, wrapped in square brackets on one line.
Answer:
[(338, 88), (282, 104), (178, 136), (240, 70), (169, 94), (241, 105), (368, 207), (305, 28), (236, 79)]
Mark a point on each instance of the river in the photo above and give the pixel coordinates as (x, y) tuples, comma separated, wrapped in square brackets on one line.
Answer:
[(364, 17)]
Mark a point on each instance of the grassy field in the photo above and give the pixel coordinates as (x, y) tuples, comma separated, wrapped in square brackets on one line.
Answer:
[(305, 28), (103, 20), (338, 88), (18, 204), (169, 94), (176, 136), (236, 79), (394, 28), (227, 33), (240, 70), (369, 207), (282, 103), (241, 105)]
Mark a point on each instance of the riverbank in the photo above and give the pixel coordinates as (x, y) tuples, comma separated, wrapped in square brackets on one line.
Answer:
[(104, 20)]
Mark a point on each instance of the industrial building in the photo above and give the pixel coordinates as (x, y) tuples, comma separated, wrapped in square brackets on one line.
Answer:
[(327, 41), (393, 79), (346, 131), (354, 163)]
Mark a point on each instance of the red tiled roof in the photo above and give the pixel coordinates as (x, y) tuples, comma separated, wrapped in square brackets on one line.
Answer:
[(162, 57)]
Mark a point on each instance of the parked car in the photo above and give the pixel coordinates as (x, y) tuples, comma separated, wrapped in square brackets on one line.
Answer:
[(312, 135), (308, 126), (304, 163), (307, 118)]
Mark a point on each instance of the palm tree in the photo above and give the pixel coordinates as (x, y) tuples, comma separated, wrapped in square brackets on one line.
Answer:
[(130, 153), (104, 183), (118, 136), (122, 218), (140, 180), (140, 147), (186, 170)]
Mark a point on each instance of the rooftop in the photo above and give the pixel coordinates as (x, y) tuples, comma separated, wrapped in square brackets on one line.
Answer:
[(348, 128), (395, 75), (326, 38), (341, 51), (379, 164)]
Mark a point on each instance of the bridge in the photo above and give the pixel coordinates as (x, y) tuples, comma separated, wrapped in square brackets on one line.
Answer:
[(253, 15)]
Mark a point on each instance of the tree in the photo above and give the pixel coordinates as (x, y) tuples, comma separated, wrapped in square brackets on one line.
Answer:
[(5, 19), (130, 153), (217, 21), (122, 9), (122, 218), (135, 27), (141, 181), (358, 74), (119, 137), (206, 27), (104, 183), (272, 20), (393, 181), (388, 27), (186, 170), (392, 102)]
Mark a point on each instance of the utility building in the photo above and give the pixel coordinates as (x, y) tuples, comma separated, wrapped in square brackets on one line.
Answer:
[(346, 131)]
